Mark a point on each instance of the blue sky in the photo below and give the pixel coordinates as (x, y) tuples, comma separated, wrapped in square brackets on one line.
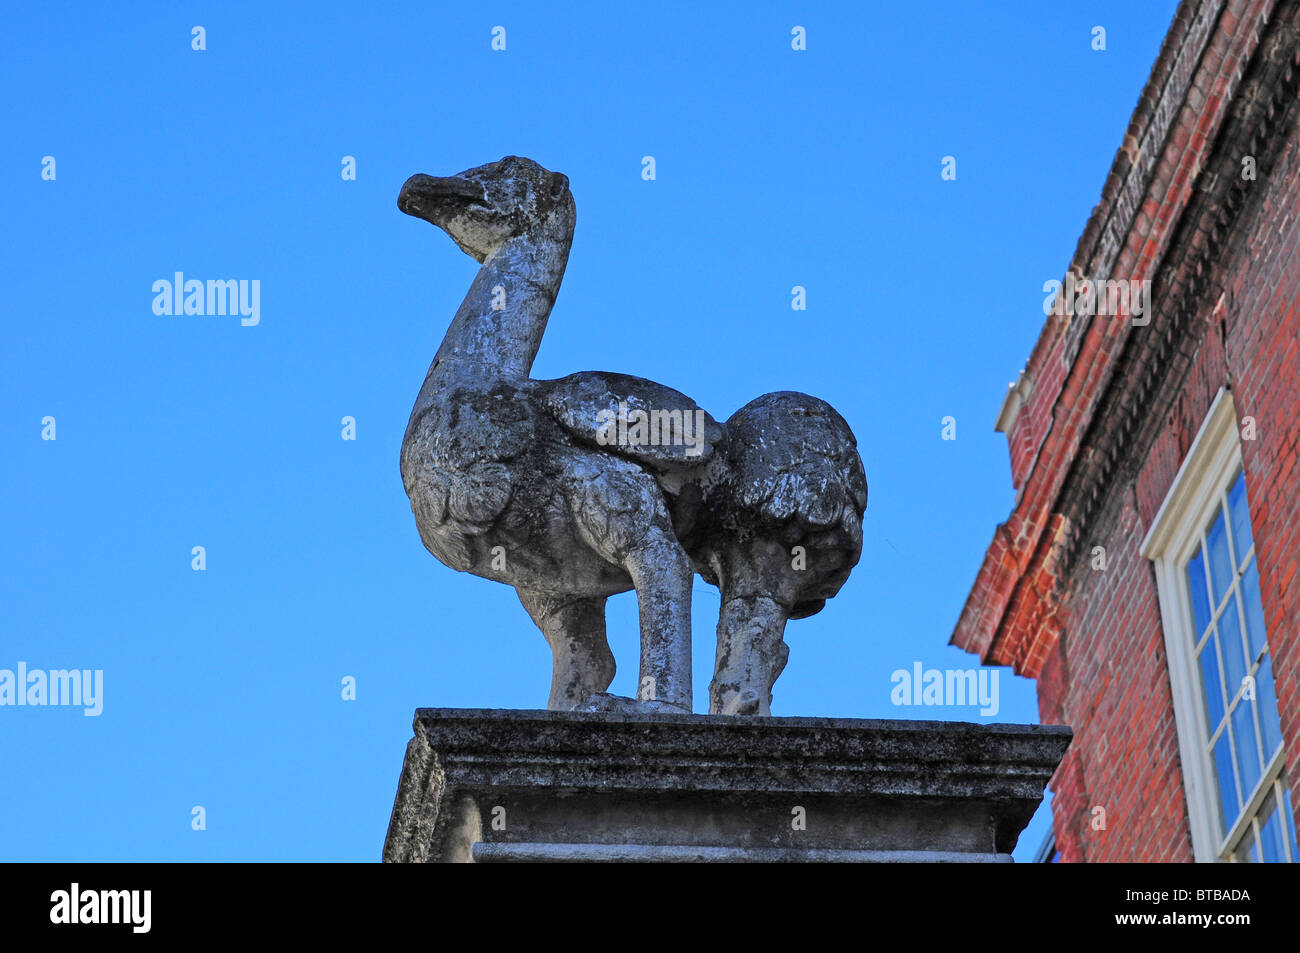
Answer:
[(775, 168)]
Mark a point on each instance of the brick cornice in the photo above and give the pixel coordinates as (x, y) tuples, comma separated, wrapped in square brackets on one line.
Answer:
[(1155, 358), (1168, 205)]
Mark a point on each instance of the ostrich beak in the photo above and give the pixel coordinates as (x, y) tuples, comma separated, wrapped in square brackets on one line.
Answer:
[(427, 196)]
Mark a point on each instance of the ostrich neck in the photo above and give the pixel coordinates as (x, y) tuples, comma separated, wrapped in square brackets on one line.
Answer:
[(498, 327)]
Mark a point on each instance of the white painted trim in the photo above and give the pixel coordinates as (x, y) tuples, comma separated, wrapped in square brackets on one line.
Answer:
[(1199, 783), (1175, 532), (1186, 490), (1015, 397)]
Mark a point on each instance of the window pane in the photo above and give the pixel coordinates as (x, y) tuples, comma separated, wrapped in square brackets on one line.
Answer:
[(1230, 645), (1250, 601), (1270, 725), (1243, 732), (1200, 596), (1220, 562), (1229, 808), (1240, 516), (1270, 835), (1214, 704)]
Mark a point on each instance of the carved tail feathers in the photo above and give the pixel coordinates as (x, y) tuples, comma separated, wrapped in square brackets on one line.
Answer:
[(783, 532)]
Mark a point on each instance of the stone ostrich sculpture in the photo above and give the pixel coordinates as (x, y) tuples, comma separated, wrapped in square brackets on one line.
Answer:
[(576, 489)]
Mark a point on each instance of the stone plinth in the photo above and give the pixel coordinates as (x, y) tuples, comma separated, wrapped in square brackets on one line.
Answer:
[(497, 785)]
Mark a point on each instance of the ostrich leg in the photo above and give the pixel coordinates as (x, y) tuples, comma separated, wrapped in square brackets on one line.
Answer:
[(662, 574), (751, 654), (575, 629)]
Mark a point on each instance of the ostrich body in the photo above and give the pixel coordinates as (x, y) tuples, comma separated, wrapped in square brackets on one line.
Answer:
[(507, 476), (514, 479)]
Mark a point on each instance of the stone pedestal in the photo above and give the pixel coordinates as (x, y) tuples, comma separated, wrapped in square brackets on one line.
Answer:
[(500, 786)]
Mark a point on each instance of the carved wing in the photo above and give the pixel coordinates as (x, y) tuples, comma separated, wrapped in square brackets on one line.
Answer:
[(456, 467), (631, 417), (450, 506)]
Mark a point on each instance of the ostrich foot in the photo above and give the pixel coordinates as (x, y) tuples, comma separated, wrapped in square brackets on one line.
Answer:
[(751, 654), (575, 629), (604, 701), (746, 702)]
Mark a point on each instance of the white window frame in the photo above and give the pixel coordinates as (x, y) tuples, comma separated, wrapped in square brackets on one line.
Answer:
[(1174, 537)]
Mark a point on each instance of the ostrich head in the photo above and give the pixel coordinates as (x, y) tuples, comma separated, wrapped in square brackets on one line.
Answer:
[(485, 207)]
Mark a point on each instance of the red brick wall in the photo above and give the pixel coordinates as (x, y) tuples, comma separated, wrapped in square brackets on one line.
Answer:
[(1109, 680), (1107, 677), (1263, 358)]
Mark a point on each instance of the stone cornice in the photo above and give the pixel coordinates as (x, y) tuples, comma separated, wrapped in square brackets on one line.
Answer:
[(857, 774)]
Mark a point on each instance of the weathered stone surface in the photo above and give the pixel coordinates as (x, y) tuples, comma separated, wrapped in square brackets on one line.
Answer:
[(576, 489), (492, 785)]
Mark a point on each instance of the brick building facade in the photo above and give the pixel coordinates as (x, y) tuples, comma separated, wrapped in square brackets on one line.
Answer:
[(1148, 576)]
